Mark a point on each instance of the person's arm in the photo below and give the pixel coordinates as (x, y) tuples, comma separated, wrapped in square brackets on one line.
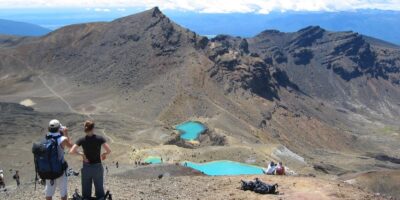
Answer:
[(74, 151), (67, 142), (107, 151)]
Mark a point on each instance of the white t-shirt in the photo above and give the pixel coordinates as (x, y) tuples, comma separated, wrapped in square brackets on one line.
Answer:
[(1, 176), (270, 169), (59, 141)]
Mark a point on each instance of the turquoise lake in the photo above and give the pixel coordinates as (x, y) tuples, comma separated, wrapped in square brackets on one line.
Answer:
[(190, 130), (153, 160), (225, 167)]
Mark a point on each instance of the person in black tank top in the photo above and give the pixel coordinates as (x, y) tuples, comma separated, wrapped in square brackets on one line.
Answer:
[(91, 145), (92, 170)]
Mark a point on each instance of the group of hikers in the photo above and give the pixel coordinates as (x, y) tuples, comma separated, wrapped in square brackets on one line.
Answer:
[(16, 177), (58, 140), (275, 169), (53, 169)]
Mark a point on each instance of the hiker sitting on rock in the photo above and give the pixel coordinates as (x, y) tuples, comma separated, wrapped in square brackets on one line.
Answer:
[(280, 169), (92, 170), (271, 169)]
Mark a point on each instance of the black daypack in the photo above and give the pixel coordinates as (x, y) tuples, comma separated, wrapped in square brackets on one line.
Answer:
[(266, 189), (247, 185), (260, 187), (47, 163)]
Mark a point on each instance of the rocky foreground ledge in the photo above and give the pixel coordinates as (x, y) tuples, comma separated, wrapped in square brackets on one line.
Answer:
[(170, 186)]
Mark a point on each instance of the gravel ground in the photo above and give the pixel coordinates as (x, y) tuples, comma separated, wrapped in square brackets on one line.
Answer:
[(206, 187)]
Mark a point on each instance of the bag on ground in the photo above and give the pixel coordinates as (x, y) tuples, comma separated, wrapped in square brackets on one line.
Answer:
[(260, 187)]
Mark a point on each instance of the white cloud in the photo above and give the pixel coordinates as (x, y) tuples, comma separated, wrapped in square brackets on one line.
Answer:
[(213, 6), (102, 10)]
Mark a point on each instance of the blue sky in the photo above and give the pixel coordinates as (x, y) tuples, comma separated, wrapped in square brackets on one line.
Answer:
[(55, 13)]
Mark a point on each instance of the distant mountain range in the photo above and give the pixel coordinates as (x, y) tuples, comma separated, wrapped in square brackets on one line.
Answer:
[(376, 23), (8, 27)]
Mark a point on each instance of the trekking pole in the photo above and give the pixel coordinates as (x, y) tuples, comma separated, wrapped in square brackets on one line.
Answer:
[(36, 179)]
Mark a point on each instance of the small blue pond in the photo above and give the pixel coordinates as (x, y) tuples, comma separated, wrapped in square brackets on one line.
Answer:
[(190, 130), (225, 167), (153, 160)]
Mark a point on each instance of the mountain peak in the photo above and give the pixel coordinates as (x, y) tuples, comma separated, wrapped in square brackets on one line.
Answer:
[(308, 36), (155, 12), (312, 29), (145, 15), (270, 32)]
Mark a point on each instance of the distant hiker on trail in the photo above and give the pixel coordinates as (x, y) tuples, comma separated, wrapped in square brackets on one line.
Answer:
[(280, 169), (92, 170), (271, 169), (16, 178), (117, 164), (50, 152), (2, 183)]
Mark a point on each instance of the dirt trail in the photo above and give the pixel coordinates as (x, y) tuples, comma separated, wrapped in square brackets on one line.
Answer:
[(30, 68), (77, 112), (112, 140), (229, 113), (60, 97)]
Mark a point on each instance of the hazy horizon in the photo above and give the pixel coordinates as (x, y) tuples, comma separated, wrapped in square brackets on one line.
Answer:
[(380, 24)]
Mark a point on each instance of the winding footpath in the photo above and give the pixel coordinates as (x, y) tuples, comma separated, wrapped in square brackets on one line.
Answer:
[(30, 68), (77, 112)]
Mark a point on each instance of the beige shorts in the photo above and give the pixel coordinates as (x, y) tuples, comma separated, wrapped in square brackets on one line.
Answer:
[(61, 183)]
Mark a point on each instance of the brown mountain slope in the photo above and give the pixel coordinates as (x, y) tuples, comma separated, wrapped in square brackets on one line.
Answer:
[(352, 71)]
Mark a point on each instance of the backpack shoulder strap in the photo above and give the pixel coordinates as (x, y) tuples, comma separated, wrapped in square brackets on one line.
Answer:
[(53, 137)]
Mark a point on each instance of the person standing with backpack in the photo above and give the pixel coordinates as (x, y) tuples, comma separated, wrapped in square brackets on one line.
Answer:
[(92, 170), (49, 159)]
